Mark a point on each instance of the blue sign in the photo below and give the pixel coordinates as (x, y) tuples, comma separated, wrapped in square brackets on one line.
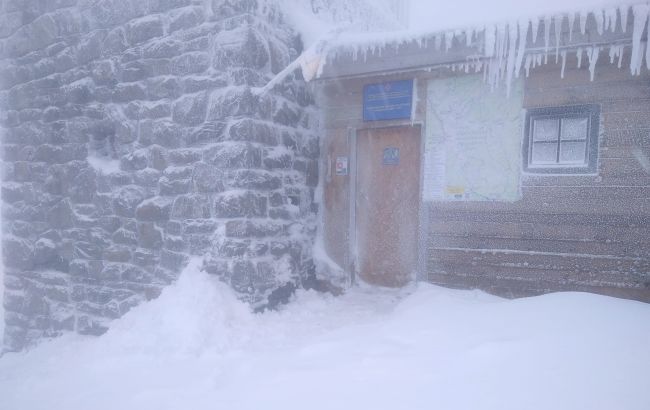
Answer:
[(391, 156), (388, 101)]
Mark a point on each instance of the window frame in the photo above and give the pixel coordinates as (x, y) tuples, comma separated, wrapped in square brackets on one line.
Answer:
[(590, 166)]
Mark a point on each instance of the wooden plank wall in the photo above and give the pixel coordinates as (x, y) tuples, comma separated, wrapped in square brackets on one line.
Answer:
[(582, 233)]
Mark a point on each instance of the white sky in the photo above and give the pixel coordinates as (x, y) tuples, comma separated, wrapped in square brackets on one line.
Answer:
[(441, 15)]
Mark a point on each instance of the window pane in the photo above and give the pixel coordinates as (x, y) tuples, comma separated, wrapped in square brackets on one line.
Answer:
[(575, 128), (545, 130), (544, 153), (573, 152)]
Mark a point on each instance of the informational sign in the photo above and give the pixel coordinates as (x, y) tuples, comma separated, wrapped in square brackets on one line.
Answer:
[(473, 141), (341, 166), (388, 101), (391, 156)]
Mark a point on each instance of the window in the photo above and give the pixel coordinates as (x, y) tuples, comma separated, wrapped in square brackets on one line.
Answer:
[(562, 140)]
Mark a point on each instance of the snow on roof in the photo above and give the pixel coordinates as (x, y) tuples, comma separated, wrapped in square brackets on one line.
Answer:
[(504, 46)]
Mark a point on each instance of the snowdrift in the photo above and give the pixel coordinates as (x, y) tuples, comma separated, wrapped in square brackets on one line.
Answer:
[(198, 347)]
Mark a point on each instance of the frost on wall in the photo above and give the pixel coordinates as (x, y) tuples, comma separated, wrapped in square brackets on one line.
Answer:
[(134, 139)]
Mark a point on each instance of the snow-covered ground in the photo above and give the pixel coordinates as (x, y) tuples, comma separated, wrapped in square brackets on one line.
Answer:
[(197, 347)]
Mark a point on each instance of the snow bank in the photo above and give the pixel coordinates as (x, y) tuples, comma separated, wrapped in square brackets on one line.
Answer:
[(197, 347)]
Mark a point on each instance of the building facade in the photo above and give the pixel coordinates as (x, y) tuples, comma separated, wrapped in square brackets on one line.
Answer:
[(517, 164)]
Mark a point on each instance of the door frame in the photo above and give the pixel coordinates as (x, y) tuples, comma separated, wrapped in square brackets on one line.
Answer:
[(423, 219)]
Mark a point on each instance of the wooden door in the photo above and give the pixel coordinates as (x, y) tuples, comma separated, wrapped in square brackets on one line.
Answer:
[(387, 204)]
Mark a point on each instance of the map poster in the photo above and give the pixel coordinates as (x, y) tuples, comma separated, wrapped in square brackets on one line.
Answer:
[(473, 141)]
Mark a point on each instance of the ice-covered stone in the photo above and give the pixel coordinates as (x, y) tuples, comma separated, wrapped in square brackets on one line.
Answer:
[(156, 209), (240, 204), (132, 139)]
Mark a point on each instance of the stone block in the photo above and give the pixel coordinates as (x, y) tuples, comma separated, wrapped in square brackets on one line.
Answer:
[(240, 204), (234, 248), (174, 187), (207, 178), (191, 109), (173, 261), (166, 47), (17, 253), (234, 155), (215, 267), (195, 84), (157, 157), (60, 215), (191, 207), (199, 226), (242, 47), (145, 258), (254, 179), (244, 228), (185, 18), (190, 63), (160, 132), (184, 156), (166, 87), (127, 199), (126, 92), (147, 177), (210, 131), (156, 209), (232, 102), (83, 187), (125, 237), (175, 243), (143, 29), (247, 76), (117, 253), (252, 131), (149, 236), (241, 277)]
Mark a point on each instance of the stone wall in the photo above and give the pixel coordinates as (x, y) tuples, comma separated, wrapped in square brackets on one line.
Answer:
[(134, 137)]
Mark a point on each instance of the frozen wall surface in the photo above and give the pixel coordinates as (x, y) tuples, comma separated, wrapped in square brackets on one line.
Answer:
[(134, 137)]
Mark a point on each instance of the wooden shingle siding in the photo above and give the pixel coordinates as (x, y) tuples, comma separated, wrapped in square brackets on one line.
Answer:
[(568, 232)]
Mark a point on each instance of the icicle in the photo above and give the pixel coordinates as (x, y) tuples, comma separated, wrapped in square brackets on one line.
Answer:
[(547, 37), (613, 50), (563, 63), (624, 11), (511, 59), (640, 16), (583, 22), (579, 56), (523, 39), (600, 21), (529, 60), (572, 20), (592, 53), (612, 19), (490, 41), (535, 29), (449, 39), (557, 22), (438, 41), (647, 52), (620, 57)]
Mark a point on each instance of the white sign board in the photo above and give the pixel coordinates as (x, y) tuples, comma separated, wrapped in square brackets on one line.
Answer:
[(473, 141)]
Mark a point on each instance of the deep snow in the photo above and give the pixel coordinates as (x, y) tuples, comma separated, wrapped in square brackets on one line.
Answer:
[(198, 347)]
